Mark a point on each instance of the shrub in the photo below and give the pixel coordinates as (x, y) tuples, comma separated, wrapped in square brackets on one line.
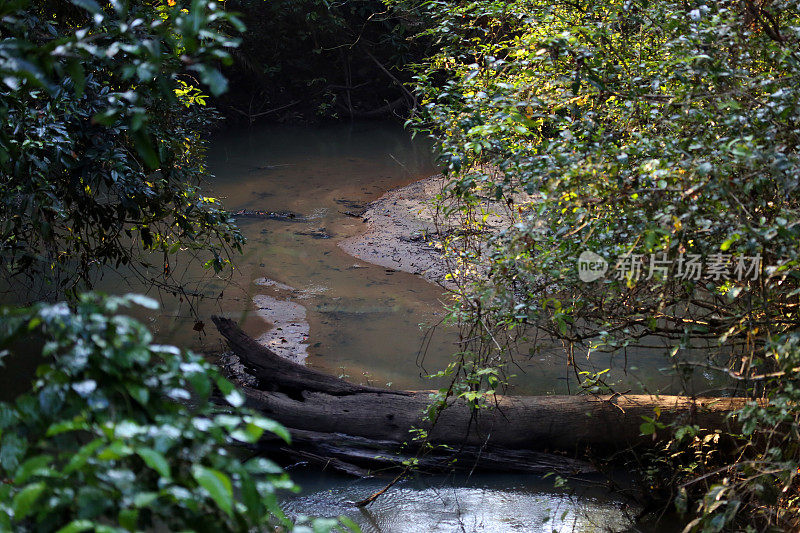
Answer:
[(119, 434)]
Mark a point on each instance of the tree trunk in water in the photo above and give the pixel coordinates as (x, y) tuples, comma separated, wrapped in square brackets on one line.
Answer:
[(350, 425)]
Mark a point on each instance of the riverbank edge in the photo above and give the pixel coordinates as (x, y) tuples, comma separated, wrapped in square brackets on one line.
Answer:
[(400, 232)]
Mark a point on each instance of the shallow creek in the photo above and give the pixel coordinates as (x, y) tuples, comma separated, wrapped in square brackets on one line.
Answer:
[(370, 323), (481, 503), (358, 320), (353, 318), (298, 292)]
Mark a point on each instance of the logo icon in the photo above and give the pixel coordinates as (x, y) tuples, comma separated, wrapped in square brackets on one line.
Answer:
[(591, 266)]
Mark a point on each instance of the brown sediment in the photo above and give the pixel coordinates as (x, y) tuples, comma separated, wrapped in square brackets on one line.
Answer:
[(404, 233), (288, 336), (400, 232)]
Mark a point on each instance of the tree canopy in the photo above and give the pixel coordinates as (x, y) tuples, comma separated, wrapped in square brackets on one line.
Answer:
[(101, 154)]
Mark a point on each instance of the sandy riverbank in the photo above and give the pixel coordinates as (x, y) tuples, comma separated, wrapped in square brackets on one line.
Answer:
[(399, 232)]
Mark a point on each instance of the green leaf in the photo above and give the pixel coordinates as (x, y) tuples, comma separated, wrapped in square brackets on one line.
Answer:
[(273, 427), (212, 77), (251, 498), (262, 465), (349, 524), (77, 461), (23, 501), (116, 450), (129, 519), (235, 398), (218, 486), (76, 526), (138, 393), (144, 146), (75, 70), (230, 392), (200, 383), (107, 117), (144, 499), (155, 460), (77, 423), (12, 448), (250, 433), (38, 465), (729, 241)]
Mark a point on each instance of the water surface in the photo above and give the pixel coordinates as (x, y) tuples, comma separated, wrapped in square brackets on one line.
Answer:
[(366, 323), (486, 503)]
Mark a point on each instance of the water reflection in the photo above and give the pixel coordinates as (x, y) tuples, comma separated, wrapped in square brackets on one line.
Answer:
[(363, 321), (484, 503)]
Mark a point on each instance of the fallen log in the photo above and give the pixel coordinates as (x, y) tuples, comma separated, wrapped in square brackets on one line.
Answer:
[(352, 424), (564, 423), (274, 373), (364, 457)]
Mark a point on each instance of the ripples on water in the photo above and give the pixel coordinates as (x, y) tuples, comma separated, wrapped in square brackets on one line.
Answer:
[(486, 504)]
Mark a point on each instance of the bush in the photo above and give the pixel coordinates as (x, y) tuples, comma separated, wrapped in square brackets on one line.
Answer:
[(119, 434), (659, 136), (102, 119)]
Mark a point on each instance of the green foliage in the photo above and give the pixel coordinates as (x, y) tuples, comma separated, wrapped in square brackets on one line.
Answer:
[(101, 127), (119, 434), (649, 133), (102, 120)]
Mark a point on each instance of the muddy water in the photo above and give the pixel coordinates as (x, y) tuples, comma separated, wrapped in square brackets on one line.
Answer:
[(371, 324), (363, 321)]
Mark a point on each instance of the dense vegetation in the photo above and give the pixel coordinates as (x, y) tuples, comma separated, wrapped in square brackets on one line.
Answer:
[(662, 137), (119, 434), (101, 147), (101, 155)]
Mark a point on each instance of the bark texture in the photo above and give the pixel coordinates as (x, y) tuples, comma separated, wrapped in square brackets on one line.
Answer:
[(356, 428)]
